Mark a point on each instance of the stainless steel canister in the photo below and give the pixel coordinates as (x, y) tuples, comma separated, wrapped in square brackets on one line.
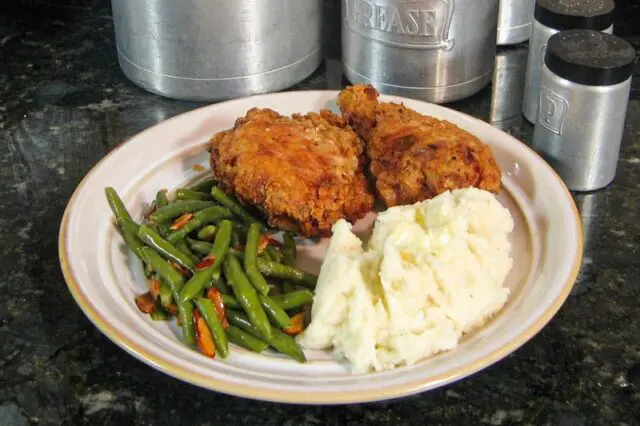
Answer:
[(507, 87), (514, 21), (584, 91), (206, 50), (550, 17), (434, 50)]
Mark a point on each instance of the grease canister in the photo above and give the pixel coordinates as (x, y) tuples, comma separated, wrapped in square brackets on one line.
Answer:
[(434, 50)]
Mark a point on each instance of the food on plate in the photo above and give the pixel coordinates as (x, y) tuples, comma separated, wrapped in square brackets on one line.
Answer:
[(415, 157), (302, 172), (431, 272), (221, 292)]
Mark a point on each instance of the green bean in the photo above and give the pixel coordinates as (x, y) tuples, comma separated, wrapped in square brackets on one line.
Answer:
[(166, 249), (287, 287), (221, 285), (161, 199), (274, 253), (275, 313), (201, 278), (148, 270), (246, 295), (215, 325), (184, 249), (190, 194), (178, 208), (185, 316), (158, 314), (236, 239), (287, 345), (175, 281), (207, 232), (199, 219), (230, 301), (251, 261), (130, 235), (288, 249), (225, 200), (279, 341), (201, 247), (278, 270), (294, 299), (166, 298), (163, 269), (274, 289), (117, 206), (245, 340), (204, 186)]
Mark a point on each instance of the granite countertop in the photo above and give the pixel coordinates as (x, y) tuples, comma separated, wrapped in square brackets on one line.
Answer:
[(64, 104)]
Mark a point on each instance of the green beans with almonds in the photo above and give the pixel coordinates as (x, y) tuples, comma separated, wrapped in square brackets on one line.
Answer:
[(221, 197), (279, 341), (278, 270), (295, 299), (175, 281), (246, 295), (199, 219), (190, 194), (201, 278), (251, 260), (166, 249), (117, 206), (245, 340), (273, 253), (215, 325), (178, 208), (275, 313), (207, 232)]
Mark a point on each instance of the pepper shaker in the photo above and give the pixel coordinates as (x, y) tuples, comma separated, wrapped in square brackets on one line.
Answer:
[(584, 91), (550, 17)]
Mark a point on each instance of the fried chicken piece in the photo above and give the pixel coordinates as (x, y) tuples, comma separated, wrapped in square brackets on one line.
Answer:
[(303, 172), (415, 157)]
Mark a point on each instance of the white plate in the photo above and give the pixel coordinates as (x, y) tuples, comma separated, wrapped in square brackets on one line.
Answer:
[(104, 277)]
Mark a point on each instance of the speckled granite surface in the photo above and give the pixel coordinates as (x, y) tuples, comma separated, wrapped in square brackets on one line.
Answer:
[(64, 104)]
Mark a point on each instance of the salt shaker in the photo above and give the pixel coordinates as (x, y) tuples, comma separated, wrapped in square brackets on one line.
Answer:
[(514, 21), (584, 91), (550, 17)]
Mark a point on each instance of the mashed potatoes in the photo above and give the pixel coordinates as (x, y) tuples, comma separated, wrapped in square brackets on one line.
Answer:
[(430, 272)]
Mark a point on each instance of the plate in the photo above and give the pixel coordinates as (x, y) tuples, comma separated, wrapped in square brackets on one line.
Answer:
[(104, 277)]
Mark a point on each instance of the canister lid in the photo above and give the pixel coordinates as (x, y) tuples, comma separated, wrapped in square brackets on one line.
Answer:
[(574, 14), (590, 57)]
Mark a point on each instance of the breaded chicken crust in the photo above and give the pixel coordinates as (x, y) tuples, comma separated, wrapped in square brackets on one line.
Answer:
[(414, 157), (302, 172)]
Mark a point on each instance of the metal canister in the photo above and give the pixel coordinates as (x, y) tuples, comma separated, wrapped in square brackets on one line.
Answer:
[(434, 50), (550, 17), (584, 91), (514, 21), (507, 87), (206, 50)]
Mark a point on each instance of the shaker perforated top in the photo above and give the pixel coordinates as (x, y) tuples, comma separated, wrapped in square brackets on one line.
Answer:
[(590, 57), (573, 14)]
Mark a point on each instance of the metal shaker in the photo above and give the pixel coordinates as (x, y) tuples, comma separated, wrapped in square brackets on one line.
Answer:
[(514, 21), (434, 50), (584, 91), (550, 17)]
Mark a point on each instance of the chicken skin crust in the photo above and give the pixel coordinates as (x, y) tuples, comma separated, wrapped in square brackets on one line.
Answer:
[(302, 172), (414, 157)]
